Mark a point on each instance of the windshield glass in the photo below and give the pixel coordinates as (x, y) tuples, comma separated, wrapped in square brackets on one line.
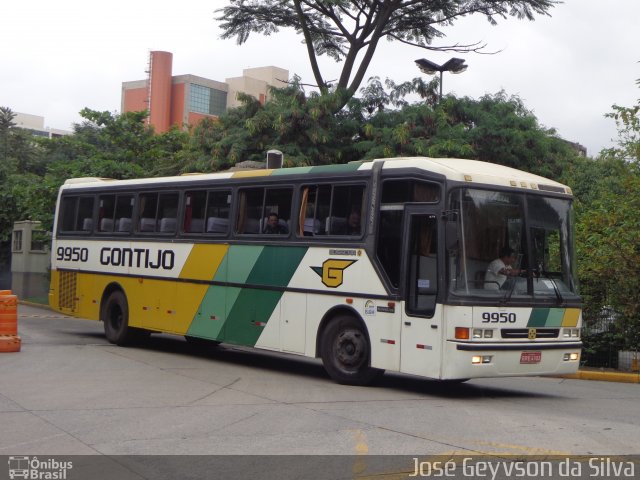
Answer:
[(511, 247)]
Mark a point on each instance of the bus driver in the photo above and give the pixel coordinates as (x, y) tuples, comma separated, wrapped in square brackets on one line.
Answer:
[(501, 268)]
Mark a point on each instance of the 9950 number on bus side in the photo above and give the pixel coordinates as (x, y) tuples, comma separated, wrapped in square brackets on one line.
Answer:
[(72, 254), (495, 317)]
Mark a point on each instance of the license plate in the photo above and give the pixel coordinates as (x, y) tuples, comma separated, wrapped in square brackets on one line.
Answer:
[(530, 357)]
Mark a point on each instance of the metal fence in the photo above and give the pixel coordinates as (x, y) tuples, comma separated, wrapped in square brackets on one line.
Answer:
[(603, 337)]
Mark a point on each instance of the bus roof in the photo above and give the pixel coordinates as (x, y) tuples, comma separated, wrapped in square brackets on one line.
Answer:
[(457, 169)]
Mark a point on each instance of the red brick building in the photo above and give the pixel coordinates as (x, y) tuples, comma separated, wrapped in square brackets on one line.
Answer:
[(186, 99)]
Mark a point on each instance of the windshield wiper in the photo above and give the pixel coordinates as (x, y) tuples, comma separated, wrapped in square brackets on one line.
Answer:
[(507, 295), (547, 276)]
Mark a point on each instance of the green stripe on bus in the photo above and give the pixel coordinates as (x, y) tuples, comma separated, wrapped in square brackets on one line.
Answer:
[(241, 259), (546, 317), (555, 317), (538, 317), (276, 265), (211, 315), (253, 307), (345, 167), (238, 315), (214, 309), (291, 171)]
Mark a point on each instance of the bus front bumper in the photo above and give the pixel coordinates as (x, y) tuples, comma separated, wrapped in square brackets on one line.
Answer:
[(475, 359)]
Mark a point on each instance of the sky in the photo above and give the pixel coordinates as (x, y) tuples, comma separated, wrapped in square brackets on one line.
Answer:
[(569, 68)]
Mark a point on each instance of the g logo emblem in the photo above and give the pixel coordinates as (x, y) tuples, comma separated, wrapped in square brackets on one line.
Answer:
[(532, 334), (332, 271)]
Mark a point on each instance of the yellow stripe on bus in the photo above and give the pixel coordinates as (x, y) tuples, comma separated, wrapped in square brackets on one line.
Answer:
[(204, 261), (571, 317)]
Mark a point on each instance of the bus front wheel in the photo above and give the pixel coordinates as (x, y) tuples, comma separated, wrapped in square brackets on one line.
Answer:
[(115, 317), (346, 353)]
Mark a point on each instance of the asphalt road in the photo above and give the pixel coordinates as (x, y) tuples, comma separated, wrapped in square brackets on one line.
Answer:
[(69, 392)]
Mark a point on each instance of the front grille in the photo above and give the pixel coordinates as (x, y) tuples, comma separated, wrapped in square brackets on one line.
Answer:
[(512, 333)]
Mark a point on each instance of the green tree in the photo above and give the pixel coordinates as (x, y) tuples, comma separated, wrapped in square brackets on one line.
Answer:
[(6, 119), (380, 123), (303, 127), (115, 146), (349, 31), (608, 228), (628, 121), (22, 165), (495, 128)]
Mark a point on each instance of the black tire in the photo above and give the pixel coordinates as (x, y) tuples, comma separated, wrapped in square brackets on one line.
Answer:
[(115, 317), (346, 353)]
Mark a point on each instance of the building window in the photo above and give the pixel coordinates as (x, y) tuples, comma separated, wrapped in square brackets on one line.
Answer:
[(218, 103), (207, 100), (17, 240), (39, 240)]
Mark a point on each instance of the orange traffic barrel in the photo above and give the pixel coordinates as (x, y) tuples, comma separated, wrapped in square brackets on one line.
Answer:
[(8, 314), (5, 292), (10, 343)]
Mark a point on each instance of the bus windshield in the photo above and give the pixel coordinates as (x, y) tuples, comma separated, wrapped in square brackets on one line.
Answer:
[(512, 247)]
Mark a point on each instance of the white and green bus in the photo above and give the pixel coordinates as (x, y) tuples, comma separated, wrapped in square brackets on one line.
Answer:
[(371, 266)]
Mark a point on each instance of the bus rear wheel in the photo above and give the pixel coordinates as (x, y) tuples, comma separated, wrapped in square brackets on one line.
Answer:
[(115, 317), (346, 353)]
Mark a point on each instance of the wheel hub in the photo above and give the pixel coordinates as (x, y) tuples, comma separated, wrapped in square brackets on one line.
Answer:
[(350, 348)]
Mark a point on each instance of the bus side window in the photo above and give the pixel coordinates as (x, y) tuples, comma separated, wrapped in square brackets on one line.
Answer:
[(346, 210), (195, 204), (255, 205), (84, 221), (106, 208), (314, 210), (147, 207), (331, 210), (249, 211), (167, 220), (217, 214), (77, 214), (278, 202), (124, 213), (68, 213)]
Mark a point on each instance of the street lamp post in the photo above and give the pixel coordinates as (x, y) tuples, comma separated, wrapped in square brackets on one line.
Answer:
[(453, 65)]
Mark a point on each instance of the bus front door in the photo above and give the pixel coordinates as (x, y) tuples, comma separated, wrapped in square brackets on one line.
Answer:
[(421, 336)]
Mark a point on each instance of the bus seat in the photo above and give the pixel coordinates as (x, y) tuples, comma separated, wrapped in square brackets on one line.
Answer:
[(336, 225), (312, 226), (124, 224), (217, 225), (251, 225), (196, 225), (168, 225), (87, 224), (147, 224), (106, 225)]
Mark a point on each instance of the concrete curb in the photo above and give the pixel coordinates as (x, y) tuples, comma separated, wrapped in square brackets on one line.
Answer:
[(619, 377), (34, 304)]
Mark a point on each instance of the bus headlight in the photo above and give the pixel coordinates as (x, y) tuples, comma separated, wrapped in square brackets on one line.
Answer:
[(571, 332), (478, 359), (482, 333), (571, 357)]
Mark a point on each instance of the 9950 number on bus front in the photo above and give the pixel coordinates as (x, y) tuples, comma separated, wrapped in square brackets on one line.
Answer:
[(498, 317)]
